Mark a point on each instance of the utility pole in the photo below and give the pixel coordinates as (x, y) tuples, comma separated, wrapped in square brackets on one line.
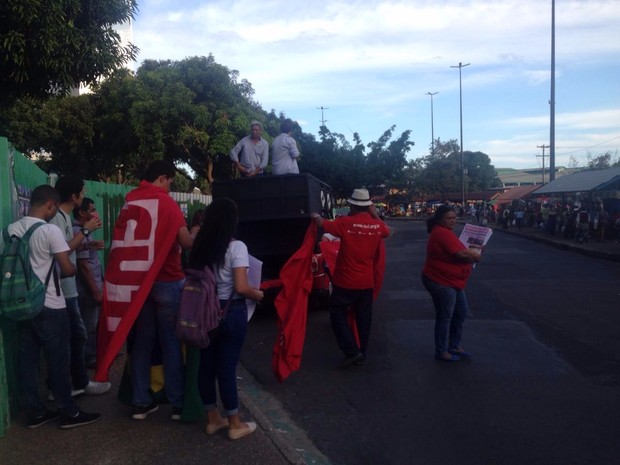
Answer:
[(552, 100), (432, 123), (323, 120), (460, 67), (543, 147)]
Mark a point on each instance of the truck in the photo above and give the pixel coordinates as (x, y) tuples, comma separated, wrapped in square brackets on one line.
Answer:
[(274, 214)]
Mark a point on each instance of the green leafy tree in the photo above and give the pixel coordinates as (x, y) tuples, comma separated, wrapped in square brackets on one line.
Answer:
[(50, 46), (441, 171)]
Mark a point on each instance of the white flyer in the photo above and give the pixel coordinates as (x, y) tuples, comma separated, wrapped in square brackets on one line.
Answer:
[(475, 237), (254, 276)]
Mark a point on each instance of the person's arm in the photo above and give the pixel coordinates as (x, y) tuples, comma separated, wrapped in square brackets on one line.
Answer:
[(186, 240), (293, 150), (373, 212), (91, 225), (467, 256), (67, 268), (318, 219), (242, 287), (234, 156), (87, 274)]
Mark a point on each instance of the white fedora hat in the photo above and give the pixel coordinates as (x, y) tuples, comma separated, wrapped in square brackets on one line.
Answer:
[(360, 197)]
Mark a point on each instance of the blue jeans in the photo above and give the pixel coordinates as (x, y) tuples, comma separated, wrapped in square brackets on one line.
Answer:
[(78, 344), (451, 309), (219, 360), (157, 322), (360, 300), (49, 331)]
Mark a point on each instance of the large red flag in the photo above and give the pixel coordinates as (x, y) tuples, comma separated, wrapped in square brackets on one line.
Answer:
[(292, 307), (141, 241)]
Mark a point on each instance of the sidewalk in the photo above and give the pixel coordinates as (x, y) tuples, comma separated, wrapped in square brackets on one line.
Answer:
[(117, 439), (607, 250)]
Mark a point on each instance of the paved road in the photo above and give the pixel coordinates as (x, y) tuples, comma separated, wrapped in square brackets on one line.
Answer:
[(542, 388)]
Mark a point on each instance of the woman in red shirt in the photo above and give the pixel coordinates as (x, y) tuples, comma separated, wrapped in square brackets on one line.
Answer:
[(447, 267)]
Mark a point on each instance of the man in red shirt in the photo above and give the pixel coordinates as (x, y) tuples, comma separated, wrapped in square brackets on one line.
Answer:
[(143, 288), (353, 279)]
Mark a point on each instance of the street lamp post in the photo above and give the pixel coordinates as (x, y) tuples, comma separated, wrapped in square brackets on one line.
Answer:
[(432, 123), (460, 67)]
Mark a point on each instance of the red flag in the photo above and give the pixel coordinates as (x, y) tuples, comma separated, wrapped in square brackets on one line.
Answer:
[(292, 308), (141, 241)]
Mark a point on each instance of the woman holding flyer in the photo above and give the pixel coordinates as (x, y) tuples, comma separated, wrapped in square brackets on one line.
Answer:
[(446, 269)]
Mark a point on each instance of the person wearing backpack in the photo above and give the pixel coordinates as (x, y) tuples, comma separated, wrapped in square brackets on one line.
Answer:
[(50, 329), (71, 190), (216, 248)]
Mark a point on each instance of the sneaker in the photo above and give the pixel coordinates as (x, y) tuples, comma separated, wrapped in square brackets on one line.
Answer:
[(49, 415), (176, 413), (74, 393), (140, 412), (80, 419), (94, 388)]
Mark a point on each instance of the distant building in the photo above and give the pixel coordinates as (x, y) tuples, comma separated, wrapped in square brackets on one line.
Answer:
[(511, 177)]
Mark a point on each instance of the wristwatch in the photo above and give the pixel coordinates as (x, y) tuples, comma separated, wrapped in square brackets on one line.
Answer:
[(85, 231)]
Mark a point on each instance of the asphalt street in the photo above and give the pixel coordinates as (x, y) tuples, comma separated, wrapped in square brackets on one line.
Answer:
[(542, 386)]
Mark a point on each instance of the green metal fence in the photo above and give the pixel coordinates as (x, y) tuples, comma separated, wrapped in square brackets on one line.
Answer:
[(18, 176)]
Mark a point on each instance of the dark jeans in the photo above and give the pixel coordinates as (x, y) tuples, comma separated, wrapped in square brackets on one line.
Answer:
[(157, 322), (90, 309), (360, 301), (219, 360), (79, 374), (451, 309), (50, 331)]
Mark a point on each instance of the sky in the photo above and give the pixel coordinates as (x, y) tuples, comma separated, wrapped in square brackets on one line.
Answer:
[(371, 64)]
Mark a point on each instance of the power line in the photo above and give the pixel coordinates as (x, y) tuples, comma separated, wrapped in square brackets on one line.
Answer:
[(579, 149)]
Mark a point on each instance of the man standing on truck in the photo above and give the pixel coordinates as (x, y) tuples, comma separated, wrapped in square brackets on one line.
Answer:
[(251, 154), (284, 151), (354, 279)]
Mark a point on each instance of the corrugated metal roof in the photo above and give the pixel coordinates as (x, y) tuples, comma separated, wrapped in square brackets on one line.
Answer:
[(584, 181), (515, 193)]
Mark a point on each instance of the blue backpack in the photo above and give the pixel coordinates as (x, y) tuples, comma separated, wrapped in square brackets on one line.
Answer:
[(22, 294), (199, 313)]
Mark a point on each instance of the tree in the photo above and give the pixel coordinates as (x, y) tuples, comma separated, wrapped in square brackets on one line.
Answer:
[(386, 160), (50, 46), (602, 161), (441, 171)]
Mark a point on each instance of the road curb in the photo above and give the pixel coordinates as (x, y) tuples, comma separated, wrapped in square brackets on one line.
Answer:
[(615, 257), (288, 438)]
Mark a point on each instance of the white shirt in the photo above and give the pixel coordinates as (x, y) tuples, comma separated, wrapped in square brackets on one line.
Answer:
[(63, 221), (46, 241), (284, 154), (236, 257)]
